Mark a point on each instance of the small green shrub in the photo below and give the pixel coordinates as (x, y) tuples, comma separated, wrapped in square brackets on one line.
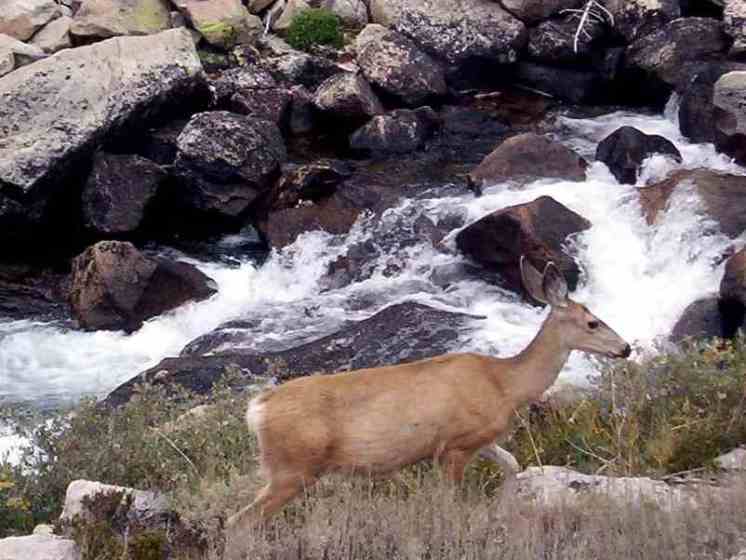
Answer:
[(316, 26)]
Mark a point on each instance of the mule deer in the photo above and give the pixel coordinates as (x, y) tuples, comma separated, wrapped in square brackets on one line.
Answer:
[(446, 408)]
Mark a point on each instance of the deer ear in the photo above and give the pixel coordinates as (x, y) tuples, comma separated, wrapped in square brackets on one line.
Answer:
[(532, 281), (554, 286)]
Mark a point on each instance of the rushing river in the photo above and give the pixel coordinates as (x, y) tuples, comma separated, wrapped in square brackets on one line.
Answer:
[(638, 278)]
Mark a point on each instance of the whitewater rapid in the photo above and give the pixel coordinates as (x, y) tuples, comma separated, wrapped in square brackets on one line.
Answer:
[(638, 278)]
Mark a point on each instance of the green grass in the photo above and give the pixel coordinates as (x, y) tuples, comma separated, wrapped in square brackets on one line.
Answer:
[(316, 26)]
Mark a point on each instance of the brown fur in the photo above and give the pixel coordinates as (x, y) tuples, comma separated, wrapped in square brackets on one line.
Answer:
[(375, 421)]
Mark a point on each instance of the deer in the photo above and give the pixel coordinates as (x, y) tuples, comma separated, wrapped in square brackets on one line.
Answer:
[(448, 408)]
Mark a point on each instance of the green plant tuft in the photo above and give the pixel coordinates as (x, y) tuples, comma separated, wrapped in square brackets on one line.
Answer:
[(315, 26)]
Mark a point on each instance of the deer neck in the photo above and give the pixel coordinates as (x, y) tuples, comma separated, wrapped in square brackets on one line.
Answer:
[(537, 367)]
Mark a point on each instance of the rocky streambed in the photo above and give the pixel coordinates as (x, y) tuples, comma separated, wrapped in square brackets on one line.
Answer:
[(176, 203)]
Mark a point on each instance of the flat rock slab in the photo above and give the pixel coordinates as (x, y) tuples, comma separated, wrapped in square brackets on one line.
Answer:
[(400, 333), (38, 547), (63, 106)]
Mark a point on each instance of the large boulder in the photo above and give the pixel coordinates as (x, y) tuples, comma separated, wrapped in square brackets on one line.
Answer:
[(697, 113), (665, 55), (118, 192), (456, 31), (734, 17), (251, 90), (729, 99), (14, 54), (39, 547), (553, 41), (97, 19), (114, 286), (624, 150), (634, 19), (534, 11), (537, 230), (347, 97), (22, 18), (529, 156), (733, 283), (403, 332), (55, 112), (723, 197), (351, 12), (701, 319), (55, 36), (225, 161), (223, 23), (398, 132), (395, 65), (296, 67)]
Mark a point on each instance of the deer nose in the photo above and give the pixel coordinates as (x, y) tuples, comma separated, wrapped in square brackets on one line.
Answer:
[(626, 352)]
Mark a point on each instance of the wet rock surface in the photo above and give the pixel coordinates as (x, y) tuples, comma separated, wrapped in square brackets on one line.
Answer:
[(400, 333), (537, 229), (526, 157), (624, 150), (398, 132), (113, 286)]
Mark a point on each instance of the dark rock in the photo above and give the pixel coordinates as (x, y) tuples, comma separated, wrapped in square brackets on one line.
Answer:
[(310, 182), (117, 193), (29, 294), (347, 97), (634, 19), (225, 161), (724, 197), (534, 11), (661, 59), (395, 65), (160, 144), (301, 115), (529, 156), (553, 41), (299, 68), (282, 227), (696, 110), (537, 229), (729, 99), (624, 150), (575, 86), (114, 286), (701, 319), (271, 105), (398, 132), (400, 333), (247, 78), (733, 284), (734, 18)]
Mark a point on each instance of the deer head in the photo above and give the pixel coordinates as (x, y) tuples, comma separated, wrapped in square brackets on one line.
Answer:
[(578, 327)]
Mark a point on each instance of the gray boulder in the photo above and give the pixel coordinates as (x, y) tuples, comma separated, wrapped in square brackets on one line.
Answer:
[(22, 18), (553, 41), (347, 97), (666, 54), (529, 156), (14, 54), (397, 132), (114, 286), (56, 111), (703, 318), (39, 547), (225, 161), (395, 65), (117, 193), (351, 12), (534, 11), (223, 23), (100, 19), (734, 17), (624, 150), (455, 30), (729, 99), (634, 19), (733, 284), (55, 36)]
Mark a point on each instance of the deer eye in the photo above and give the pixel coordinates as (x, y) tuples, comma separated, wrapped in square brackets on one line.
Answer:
[(594, 324)]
